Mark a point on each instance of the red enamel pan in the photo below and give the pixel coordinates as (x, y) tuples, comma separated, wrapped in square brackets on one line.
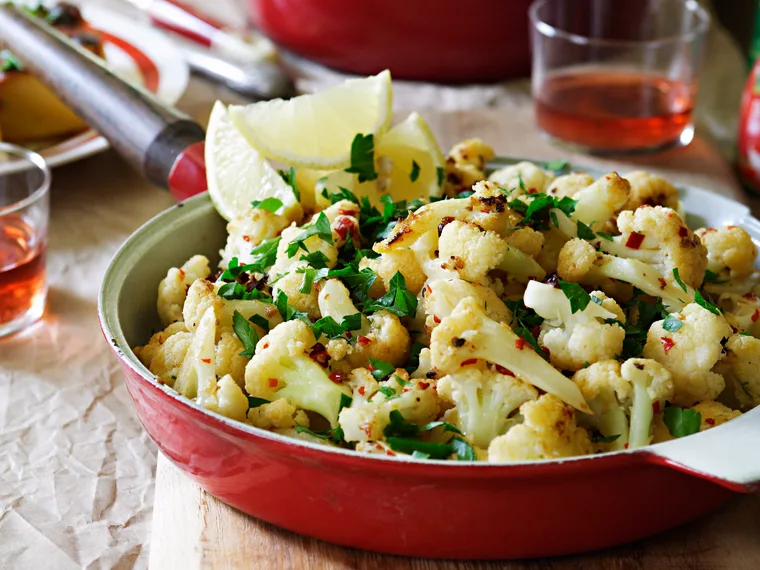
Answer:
[(400, 506)]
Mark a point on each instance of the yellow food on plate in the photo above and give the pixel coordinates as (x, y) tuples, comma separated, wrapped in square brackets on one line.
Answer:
[(30, 111), (529, 313)]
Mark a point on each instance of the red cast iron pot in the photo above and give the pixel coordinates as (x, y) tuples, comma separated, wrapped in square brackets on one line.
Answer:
[(432, 40), (406, 506)]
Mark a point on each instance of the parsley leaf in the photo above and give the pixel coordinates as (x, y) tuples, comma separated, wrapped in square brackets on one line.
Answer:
[(584, 232), (264, 255), (464, 451), (681, 421), (415, 174), (672, 323), (603, 235), (333, 434), (381, 369), (387, 391), (236, 291), (640, 316), (246, 333), (327, 326), (268, 204), (556, 166), (432, 450), (287, 311), (398, 300), (316, 259), (712, 277), (341, 194), (9, 62), (525, 323), (599, 438), (577, 295), (399, 426), (352, 322), (320, 228), (260, 321), (414, 357), (702, 302), (440, 172), (289, 177), (363, 157), (677, 277), (309, 274), (357, 282), (254, 402)]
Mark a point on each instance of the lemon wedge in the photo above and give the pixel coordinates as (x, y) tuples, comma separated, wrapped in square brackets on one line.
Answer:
[(409, 160), (316, 130), (238, 174)]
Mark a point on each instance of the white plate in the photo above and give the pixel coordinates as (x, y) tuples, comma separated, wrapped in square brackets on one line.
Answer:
[(137, 53)]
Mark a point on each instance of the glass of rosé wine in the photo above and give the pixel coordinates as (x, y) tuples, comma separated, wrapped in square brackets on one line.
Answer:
[(617, 77), (24, 213)]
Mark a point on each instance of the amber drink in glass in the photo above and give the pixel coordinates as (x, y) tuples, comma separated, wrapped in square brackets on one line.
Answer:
[(612, 77), (24, 213)]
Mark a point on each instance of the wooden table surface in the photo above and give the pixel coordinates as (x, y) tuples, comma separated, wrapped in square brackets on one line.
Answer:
[(192, 529)]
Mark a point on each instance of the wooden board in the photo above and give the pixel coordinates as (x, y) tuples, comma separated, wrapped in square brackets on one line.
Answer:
[(193, 530)]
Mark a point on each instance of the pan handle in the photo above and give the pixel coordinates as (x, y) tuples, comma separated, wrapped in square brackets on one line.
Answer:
[(728, 455), (151, 136)]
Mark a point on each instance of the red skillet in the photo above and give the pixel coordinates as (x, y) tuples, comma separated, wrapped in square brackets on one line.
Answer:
[(433, 509)]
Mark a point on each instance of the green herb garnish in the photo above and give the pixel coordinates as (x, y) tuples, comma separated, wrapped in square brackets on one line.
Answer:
[(677, 277), (268, 204), (415, 174), (577, 295), (246, 333), (363, 157), (289, 176), (672, 323), (398, 300), (681, 421), (320, 228), (381, 369)]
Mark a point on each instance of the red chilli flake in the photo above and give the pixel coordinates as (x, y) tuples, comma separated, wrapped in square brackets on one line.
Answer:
[(423, 385), (343, 226), (361, 390), (520, 343), (363, 340), (634, 240), (501, 370), (338, 377), (656, 407), (756, 315), (710, 421), (273, 382), (319, 354), (206, 360), (469, 361), (663, 283), (750, 296), (667, 343), (626, 446), (683, 232), (345, 212), (436, 320)]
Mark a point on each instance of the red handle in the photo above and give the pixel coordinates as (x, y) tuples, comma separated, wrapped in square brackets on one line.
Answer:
[(188, 175), (181, 19)]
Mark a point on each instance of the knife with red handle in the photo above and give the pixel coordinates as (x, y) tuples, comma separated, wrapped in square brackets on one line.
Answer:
[(161, 143)]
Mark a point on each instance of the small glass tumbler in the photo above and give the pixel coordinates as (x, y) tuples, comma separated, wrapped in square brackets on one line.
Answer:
[(617, 77), (24, 214)]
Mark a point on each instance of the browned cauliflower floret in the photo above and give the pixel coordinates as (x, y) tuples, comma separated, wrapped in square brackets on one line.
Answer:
[(548, 431), (569, 184), (730, 251), (650, 190), (228, 357), (527, 240), (690, 352), (402, 261), (279, 414), (200, 296), (290, 284), (469, 250), (465, 165), (172, 290), (387, 340), (714, 414), (522, 178), (249, 230), (739, 367), (164, 353)]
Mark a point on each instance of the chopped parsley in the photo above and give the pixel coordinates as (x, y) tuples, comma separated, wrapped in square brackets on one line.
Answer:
[(398, 300), (577, 295), (260, 321), (585, 232), (705, 303), (264, 255), (414, 357), (603, 235), (268, 204), (440, 173), (363, 158), (640, 315), (672, 323), (289, 176), (381, 370), (320, 228), (254, 402), (246, 333), (557, 166), (316, 259), (309, 274), (597, 437), (287, 311), (9, 62), (681, 421), (537, 211), (677, 277), (415, 174), (332, 329), (712, 277), (387, 391), (526, 323)]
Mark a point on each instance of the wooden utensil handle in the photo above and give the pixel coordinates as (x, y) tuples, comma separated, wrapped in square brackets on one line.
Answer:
[(151, 136)]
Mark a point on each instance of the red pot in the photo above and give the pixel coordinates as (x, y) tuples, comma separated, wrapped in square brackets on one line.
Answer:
[(406, 506), (431, 40)]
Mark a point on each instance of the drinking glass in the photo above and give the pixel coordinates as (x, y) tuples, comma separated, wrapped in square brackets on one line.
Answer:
[(24, 213), (617, 77)]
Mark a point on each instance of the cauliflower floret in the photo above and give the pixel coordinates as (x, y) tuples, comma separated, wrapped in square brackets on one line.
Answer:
[(290, 284), (575, 339), (660, 238), (228, 359), (741, 311), (569, 184), (197, 371), (468, 335), (579, 262), (465, 165), (598, 203), (442, 296), (616, 393), (553, 242), (730, 251), (172, 290), (526, 240), (200, 297), (522, 178), (362, 384), (650, 190), (402, 261), (714, 414), (484, 400), (548, 432), (690, 352), (249, 230), (279, 414), (223, 396), (739, 367), (285, 263), (282, 368), (366, 420), (165, 352), (469, 250), (148, 352), (340, 208)]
